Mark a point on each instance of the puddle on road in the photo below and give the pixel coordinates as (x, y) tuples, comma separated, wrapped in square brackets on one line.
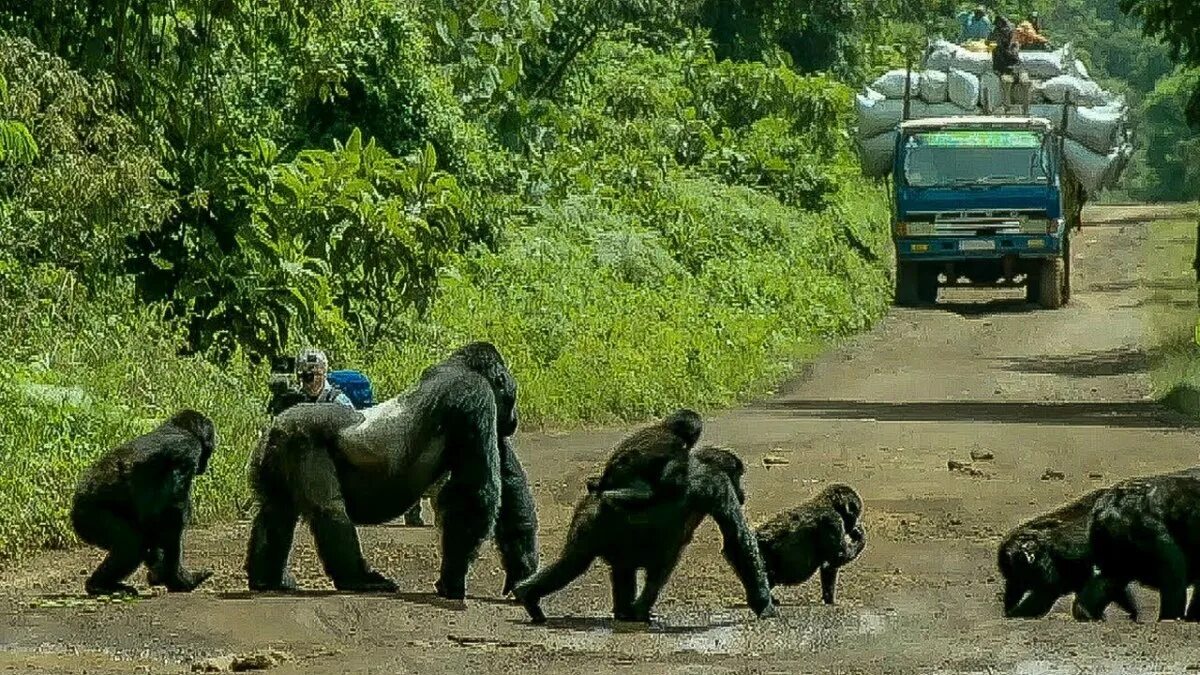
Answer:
[(1040, 667), (723, 634)]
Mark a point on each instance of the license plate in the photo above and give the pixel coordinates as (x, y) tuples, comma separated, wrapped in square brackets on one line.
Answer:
[(977, 245)]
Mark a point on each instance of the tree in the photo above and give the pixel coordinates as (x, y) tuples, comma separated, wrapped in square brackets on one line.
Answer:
[(1176, 22)]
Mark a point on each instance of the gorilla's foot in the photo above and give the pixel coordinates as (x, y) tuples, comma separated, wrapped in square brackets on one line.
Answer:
[(450, 591), (286, 584), (530, 601), (184, 582), (371, 582), (101, 588)]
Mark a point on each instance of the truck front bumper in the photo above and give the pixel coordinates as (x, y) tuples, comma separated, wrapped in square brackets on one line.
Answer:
[(950, 248)]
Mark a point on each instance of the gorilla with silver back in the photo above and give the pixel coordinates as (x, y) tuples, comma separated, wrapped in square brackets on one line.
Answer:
[(338, 468)]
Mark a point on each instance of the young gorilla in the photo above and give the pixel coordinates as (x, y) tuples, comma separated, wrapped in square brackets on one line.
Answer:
[(644, 466), (652, 538), (824, 533), (1049, 557), (337, 468), (1148, 530), (135, 500)]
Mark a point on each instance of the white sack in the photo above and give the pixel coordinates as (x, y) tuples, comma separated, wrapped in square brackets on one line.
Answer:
[(1046, 65), (1097, 129), (1050, 111), (941, 55), (876, 154), (963, 89), (891, 84), (1093, 170), (989, 92), (933, 86), (976, 63), (877, 116), (1081, 70), (1075, 90)]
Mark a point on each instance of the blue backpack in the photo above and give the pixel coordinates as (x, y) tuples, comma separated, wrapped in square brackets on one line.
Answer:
[(355, 386)]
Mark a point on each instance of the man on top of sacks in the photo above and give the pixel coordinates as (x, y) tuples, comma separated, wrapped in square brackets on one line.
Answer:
[(975, 25), (1006, 62)]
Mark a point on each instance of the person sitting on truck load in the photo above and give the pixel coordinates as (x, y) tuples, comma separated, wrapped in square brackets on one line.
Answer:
[(1006, 62), (974, 25)]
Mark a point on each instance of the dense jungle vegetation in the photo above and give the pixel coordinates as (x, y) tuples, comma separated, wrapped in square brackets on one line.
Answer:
[(644, 203)]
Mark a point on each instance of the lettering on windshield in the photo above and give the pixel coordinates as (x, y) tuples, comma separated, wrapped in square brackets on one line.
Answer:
[(977, 158), (978, 139)]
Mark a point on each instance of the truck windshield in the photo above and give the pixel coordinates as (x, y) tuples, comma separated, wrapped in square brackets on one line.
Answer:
[(975, 157)]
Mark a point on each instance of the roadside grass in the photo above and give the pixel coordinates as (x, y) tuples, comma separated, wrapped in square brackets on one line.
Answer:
[(1172, 325)]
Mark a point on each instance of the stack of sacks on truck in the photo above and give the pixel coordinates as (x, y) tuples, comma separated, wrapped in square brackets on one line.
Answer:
[(954, 81)]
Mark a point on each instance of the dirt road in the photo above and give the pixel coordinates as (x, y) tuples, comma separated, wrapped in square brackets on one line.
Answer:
[(1064, 390)]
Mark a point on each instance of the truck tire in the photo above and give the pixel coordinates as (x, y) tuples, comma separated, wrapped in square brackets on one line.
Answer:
[(1051, 286), (907, 278)]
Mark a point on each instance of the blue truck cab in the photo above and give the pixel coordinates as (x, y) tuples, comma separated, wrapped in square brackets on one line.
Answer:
[(979, 201)]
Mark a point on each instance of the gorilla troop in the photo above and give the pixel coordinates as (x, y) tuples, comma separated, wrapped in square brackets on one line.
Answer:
[(1148, 530), (824, 533), (1050, 556), (337, 467), (651, 464), (135, 500), (652, 537)]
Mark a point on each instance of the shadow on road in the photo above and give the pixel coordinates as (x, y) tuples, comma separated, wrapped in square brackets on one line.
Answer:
[(1120, 361), (1132, 415), (986, 309), (594, 623)]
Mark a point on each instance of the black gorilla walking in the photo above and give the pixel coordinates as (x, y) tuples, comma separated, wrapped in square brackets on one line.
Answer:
[(134, 502), (338, 467), (653, 538)]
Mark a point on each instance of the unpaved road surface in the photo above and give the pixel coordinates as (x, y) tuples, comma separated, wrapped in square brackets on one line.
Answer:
[(1064, 390)]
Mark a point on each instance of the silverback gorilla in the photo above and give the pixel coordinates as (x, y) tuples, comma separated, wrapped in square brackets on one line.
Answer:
[(134, 502), (337, 467), (1148, 530), (1050, 556), (825, 533), (653, 537)]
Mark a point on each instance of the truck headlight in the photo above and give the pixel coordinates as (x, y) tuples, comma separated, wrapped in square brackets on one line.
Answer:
[(900, 228)]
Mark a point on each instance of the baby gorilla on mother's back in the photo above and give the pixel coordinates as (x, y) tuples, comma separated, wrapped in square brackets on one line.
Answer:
[(653, 537), (134, 502)]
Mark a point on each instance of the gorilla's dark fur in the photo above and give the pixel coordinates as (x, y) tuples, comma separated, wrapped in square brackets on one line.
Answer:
[(338, 467), (1148, 530), (1049, 557), (824, 533), (134, 502), (653, 537), (649, 464)]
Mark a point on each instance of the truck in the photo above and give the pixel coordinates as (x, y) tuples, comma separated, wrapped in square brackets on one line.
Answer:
[(982, 201)]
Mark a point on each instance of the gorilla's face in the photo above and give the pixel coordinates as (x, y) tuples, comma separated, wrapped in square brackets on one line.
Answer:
[(506, 406)]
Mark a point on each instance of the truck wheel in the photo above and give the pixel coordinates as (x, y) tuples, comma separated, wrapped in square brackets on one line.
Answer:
[(1050, 286), (907, 277), (927, 284)]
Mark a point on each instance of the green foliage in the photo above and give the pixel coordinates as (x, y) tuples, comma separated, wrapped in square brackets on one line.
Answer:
[(1170, 149), (1177, 22), (87, 166)]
